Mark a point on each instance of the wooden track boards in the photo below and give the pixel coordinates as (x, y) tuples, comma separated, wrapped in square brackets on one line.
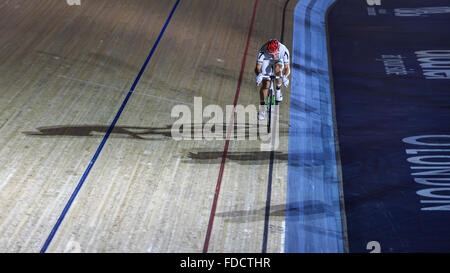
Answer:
[(64, 72)]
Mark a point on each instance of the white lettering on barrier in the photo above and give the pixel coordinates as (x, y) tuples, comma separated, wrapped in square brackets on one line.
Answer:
[(435, 64), (417, 140), (438, 192), (373, 2), (424, 11), (393, 64)]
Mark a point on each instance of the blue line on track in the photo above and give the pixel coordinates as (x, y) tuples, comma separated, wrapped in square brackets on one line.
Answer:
[(105, 138), (313, 216)]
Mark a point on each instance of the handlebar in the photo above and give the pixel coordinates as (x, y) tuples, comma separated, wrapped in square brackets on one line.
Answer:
[(268, 76)]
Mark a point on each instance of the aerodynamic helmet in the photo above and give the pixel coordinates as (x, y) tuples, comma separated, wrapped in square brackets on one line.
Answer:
[(273, 46)]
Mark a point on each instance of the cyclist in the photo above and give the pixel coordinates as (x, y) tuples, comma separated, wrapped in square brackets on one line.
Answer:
[(273, 57)]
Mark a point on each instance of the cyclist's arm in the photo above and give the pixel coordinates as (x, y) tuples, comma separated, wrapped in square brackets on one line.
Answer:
[(287, 70), (258, 68), (259, 62), (286, 60)]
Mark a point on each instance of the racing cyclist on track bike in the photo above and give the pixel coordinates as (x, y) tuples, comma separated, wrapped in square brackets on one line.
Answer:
[(273, 57)]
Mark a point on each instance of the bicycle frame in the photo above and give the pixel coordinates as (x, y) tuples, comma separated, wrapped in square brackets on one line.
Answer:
[(270, 97)]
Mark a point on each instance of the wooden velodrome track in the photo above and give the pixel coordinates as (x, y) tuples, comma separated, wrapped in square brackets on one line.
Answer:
[(64, 73)]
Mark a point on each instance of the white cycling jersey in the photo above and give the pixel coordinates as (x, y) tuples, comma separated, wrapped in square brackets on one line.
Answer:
[(268, 59), (265, 55)]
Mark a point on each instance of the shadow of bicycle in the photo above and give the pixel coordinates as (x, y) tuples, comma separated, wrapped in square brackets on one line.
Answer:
[(240, 131)]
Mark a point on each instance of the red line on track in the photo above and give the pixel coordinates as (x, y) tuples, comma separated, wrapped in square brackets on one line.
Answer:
[(227, 142)]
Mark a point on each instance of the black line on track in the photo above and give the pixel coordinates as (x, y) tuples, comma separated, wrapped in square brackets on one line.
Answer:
[(271, 160), (283, 21)]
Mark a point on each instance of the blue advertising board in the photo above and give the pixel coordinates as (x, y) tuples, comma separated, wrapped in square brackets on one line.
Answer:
[(390, 63)]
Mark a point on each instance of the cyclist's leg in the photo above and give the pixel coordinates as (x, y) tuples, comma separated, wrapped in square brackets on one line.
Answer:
[(278, 70), (263, 92), (266, 68)]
